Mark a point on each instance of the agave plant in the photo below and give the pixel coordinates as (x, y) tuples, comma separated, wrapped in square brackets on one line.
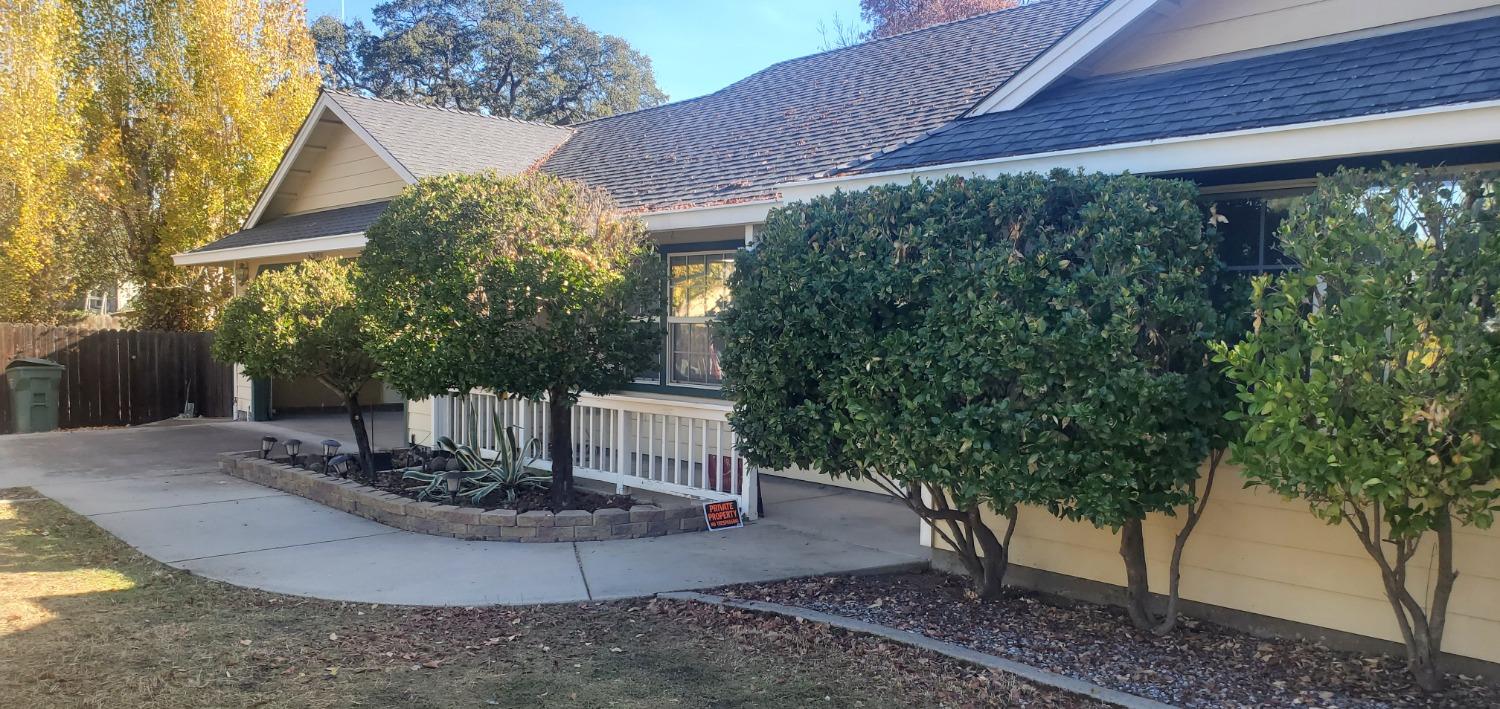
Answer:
[(503, 477)]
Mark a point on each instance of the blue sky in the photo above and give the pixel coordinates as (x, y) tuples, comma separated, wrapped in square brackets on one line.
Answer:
[(696, 46)]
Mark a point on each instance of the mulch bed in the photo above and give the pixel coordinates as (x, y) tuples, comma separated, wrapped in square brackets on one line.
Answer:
[(1199, 665), (587, 500)]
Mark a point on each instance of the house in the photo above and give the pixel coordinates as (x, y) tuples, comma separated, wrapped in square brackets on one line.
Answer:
[(1249, 98)]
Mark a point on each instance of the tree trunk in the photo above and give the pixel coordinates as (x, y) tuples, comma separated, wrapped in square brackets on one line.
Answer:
[(560, 447), (1194, 513), (1421, 628), (985, 557), (1137, 585), (996, 559), (361, 436)]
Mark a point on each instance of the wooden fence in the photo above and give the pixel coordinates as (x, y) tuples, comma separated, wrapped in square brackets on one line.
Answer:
[(122, 377)]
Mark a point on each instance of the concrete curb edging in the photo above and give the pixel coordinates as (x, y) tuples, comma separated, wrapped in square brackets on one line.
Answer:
[(920, 641), (470, 523)]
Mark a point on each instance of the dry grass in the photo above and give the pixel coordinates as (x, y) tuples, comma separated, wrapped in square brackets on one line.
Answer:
[(87, 622)]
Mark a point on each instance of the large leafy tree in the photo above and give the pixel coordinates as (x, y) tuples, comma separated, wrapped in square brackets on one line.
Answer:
[(1371, 379), (1118, 404), (888, 17), (190, 108), (526, 285), (303, 322), (518, 58), (38, 157), (973, 344)]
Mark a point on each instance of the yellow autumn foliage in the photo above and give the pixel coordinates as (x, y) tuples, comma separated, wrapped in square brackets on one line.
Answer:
[(38, 150), (140, 128), (196, 101)]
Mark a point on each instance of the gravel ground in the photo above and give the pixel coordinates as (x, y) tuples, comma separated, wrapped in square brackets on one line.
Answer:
[(1199, 665)]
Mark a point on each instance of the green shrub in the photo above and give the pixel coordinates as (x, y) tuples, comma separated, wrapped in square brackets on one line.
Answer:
[(976, 343), (303, 321), (1371, 380), (522, 285)]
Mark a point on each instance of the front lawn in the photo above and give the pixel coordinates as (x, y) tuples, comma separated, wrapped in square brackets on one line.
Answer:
[(86, 621)]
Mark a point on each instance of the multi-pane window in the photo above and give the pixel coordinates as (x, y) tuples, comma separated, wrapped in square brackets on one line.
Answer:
[(1248, 234), (697, 287)]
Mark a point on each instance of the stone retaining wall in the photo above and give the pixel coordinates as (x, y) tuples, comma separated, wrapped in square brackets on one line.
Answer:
[(465, 522)]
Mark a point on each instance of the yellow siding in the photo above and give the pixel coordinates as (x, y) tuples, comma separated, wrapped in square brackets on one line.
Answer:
[(814, 476), (335, 169), (1208, 28), (241, 393), (1257, 553), (419, 421)]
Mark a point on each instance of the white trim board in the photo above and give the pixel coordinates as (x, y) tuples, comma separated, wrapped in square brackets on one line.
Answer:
[(748, 214), (700, 217), (1419, 129), (1063, 55), (298, 247)]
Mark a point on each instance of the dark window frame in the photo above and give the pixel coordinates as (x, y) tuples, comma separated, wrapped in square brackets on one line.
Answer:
[(663, 383), (1264, 261)]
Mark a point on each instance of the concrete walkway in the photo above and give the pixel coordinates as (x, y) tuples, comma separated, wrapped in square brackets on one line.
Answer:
[(157, 488)]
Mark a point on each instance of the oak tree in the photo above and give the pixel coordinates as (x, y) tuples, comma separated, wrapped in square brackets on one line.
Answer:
[(517, 58)]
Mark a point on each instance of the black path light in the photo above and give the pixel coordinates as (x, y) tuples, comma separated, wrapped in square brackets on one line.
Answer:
[(330, 448), (293, 447), (266, 444), (454, 480)]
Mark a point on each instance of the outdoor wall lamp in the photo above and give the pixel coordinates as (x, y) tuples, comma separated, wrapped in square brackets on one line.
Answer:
[(266, 444), (242, 272), (293, 447)]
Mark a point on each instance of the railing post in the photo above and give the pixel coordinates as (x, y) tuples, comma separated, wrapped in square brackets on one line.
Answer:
[(751, 495), (619, 448)]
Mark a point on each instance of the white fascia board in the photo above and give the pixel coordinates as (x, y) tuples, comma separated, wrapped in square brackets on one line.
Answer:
[(324, 103), (1418, 129), (702, 217), (299, 247), (696, 218), (1062, 56)]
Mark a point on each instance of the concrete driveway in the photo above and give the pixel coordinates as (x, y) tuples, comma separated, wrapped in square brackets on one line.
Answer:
[(157, 488)]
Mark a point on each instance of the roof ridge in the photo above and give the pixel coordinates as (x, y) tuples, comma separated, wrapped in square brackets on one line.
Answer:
[(1022, 5), (449, 109)]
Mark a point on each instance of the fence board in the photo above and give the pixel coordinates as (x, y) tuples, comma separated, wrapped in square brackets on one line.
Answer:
[(118, 377)]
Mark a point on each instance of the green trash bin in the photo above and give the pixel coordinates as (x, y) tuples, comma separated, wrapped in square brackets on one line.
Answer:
[(33, 393)]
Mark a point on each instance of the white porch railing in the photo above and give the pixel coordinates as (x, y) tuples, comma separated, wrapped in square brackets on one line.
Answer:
[(680, 447)]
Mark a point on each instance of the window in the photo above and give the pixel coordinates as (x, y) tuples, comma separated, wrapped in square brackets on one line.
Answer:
[(697, 287), (1249, 241)]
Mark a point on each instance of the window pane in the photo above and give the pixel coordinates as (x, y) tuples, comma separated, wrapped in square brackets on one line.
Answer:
[(695, 354), (1277, 211), (680, 273), (719, 268), (653, 374), (1240, 236)]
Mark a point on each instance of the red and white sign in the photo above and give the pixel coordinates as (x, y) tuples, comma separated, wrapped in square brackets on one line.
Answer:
[(723, 515)]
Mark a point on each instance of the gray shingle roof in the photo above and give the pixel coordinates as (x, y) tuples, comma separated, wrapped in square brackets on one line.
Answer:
[(332, 222), (429, 141), (812, 114), (1445, 65)]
